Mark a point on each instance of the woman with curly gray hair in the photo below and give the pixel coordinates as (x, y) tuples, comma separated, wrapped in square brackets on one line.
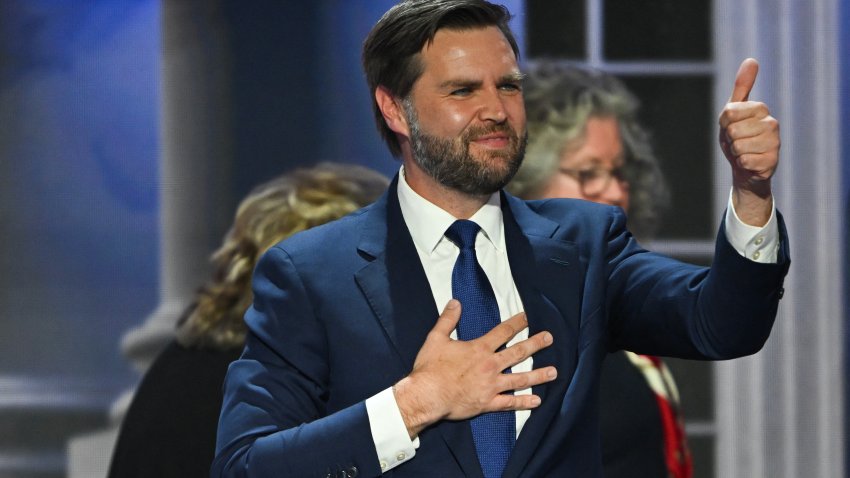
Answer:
[(585, 142), (563, 104)]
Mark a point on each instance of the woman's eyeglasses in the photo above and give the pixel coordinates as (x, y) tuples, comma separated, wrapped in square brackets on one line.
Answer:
[(594, 181)]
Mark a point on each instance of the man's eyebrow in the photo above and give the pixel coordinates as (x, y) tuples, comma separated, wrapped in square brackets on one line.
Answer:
[(460, 82), (515, 77)]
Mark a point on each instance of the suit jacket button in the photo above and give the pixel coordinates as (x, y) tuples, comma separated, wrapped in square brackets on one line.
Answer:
[(353, 472)]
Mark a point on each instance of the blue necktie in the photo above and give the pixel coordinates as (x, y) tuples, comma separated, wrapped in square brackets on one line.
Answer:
[(494, 433)]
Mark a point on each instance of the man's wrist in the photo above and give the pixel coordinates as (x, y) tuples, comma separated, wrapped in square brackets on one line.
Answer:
[(416, 409), (753, 202)]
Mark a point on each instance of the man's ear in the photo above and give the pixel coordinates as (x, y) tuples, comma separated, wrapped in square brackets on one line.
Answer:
[(392, 110)]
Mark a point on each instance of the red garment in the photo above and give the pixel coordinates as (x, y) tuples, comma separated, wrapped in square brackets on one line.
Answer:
[(676, 452)]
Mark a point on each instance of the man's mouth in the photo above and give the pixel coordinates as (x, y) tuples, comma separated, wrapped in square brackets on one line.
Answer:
[(493, 140)]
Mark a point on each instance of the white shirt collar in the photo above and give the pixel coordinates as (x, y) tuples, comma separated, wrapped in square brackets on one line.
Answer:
[(427, 222)]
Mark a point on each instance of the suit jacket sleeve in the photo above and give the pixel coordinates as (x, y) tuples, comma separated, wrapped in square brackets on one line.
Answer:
[(665, 307), (274, 420)]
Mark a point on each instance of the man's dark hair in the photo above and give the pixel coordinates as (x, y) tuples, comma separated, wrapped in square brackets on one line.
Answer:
[(391, 51)]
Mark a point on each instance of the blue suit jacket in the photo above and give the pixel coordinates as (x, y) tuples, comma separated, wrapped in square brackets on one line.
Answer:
[(341, 311)]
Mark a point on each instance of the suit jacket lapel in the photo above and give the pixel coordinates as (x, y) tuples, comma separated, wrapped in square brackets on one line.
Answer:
[(395, 285), (547, 274), (394, 282)]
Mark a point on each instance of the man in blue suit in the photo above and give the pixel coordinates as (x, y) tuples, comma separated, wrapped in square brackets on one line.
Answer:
[(349, 367)]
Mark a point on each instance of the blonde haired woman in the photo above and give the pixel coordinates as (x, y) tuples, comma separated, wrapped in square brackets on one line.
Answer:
[(170, 427)]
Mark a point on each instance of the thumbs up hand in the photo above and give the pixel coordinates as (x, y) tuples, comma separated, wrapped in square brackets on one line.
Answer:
[(749, 137)]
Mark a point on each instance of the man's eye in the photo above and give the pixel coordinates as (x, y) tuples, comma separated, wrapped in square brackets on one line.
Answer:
[(511, 87), (461, 92)]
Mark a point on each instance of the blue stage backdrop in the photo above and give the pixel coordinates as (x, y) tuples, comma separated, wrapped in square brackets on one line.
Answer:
[(845, 156), (78, 192)]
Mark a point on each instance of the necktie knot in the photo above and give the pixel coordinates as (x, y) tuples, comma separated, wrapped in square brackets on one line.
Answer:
[(463, 232)]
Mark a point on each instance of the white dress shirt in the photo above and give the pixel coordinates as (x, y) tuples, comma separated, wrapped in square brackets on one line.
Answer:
[(427, 224)]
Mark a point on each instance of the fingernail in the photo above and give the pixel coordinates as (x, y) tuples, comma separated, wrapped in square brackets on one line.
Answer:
[(453, 304), (552, 373), (535, 401), (547, 338)]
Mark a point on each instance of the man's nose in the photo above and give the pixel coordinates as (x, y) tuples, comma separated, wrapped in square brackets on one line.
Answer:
[(493, 107)]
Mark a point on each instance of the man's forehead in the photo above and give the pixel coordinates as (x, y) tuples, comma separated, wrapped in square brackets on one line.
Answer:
[(462, 34), (485, 46)]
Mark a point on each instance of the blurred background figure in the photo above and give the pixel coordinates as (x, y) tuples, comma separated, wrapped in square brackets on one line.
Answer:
[(170, 427), (585, 142)]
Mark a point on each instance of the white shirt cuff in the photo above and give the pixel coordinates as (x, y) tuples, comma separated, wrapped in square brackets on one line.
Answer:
[(389, 432), (759, 244)]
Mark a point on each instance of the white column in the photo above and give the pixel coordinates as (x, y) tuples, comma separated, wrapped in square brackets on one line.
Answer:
[(195, 206), (780, 412), (194, 166)]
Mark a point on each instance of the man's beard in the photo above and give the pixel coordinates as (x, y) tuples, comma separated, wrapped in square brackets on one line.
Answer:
[(452, 164)]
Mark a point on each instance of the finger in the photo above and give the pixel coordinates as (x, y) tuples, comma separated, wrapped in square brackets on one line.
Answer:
[(447, 321), (751, 128), (735, 112), (510, 402), (520, 351), (758, 166), (518, 381), (744, 80), (504, 332), (754, 145)]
